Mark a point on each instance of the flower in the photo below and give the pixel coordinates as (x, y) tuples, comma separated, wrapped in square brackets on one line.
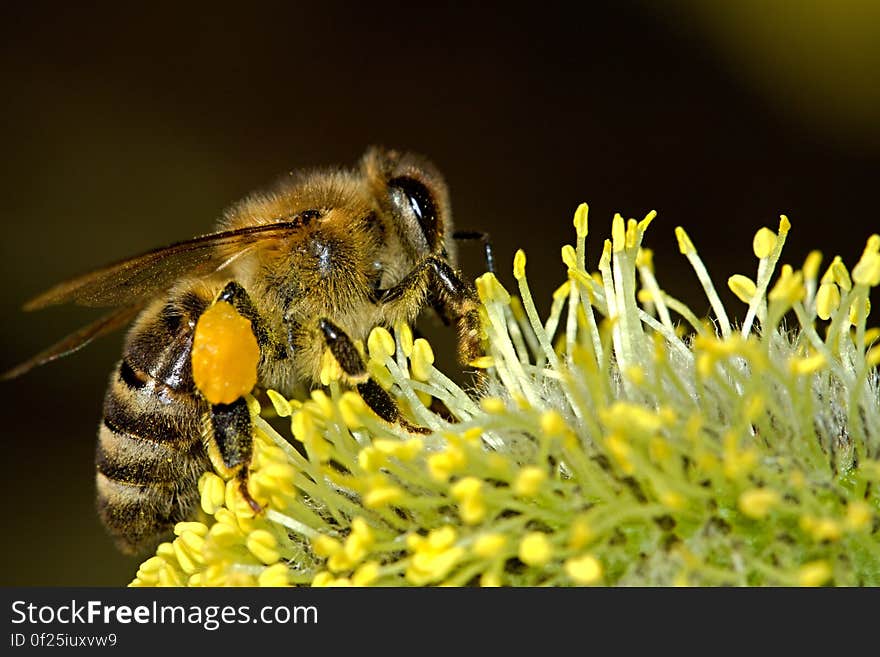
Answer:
[(619, 440)]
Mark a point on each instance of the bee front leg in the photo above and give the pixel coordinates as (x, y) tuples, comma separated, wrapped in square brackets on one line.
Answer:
[(452, 298), (352, 364)]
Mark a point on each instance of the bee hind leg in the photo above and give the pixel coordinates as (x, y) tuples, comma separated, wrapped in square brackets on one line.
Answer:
[(352, 364), (228, 438)]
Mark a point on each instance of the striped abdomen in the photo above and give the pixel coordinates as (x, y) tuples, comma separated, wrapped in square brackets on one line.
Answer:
[(150, 454)]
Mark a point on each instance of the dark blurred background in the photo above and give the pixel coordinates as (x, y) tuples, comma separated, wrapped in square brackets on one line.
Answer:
[(125, 130)]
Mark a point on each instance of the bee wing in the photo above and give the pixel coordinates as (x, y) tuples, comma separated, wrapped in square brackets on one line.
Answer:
[(77, 340), (143, 277)]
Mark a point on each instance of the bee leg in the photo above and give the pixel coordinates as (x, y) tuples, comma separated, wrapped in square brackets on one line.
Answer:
[(467, 235), (228, 432), (458, 301), (352, 364), (235, 295), (451, 297)]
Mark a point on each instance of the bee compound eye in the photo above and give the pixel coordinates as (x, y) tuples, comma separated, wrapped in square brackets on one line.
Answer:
[(415, 203)]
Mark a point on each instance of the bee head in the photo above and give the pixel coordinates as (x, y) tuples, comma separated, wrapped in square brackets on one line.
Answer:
[(415, 195)]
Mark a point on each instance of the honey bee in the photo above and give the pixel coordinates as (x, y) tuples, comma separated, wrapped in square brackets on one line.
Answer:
[(315, 262)]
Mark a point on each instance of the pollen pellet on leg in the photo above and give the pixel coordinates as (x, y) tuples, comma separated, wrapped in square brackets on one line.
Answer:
[(225, 354)]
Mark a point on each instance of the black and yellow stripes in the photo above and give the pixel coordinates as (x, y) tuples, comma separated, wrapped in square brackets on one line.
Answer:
[(149, 454)]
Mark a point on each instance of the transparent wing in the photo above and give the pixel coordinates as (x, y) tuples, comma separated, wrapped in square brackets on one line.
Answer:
[(77, 340), (142, 277)]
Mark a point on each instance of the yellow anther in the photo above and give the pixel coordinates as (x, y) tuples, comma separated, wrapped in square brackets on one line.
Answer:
[(380, 344), (352, 408), (325, 546), (196, 528), (632, 233), (212, 491), (490, 289), (279, 403), (569, 256), (331, 370), (528, 481), (757, 502), (235, 501), (743, 287), (552, 423), (867, 270), (789, 287), (858, 516), (185, 558), (422, 359), (784, 225), (263, 546), (224, 535), (815, 573), (275, 575), (659, 449), (684, 242), (380, 374), (629, 418), (827, 300), (618, 234), (170, 577), (584, 570), (644, 223), (535, 549), (764, 242), (673, 500), (340, 562), (855, 308), (563, 291), (366, 574), (404, 332), (482, 362), (580, 533), (635, 374), (519, 264), (443, 464), (580, 219), (645, 258), (324, 578), (621, 451), (466, 487), (811, 265), (489, 545), (821, 529), (605, 258), (405, 450), (808, 365), (442, 537), (840, 274), (753, 407), (382, 496)]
